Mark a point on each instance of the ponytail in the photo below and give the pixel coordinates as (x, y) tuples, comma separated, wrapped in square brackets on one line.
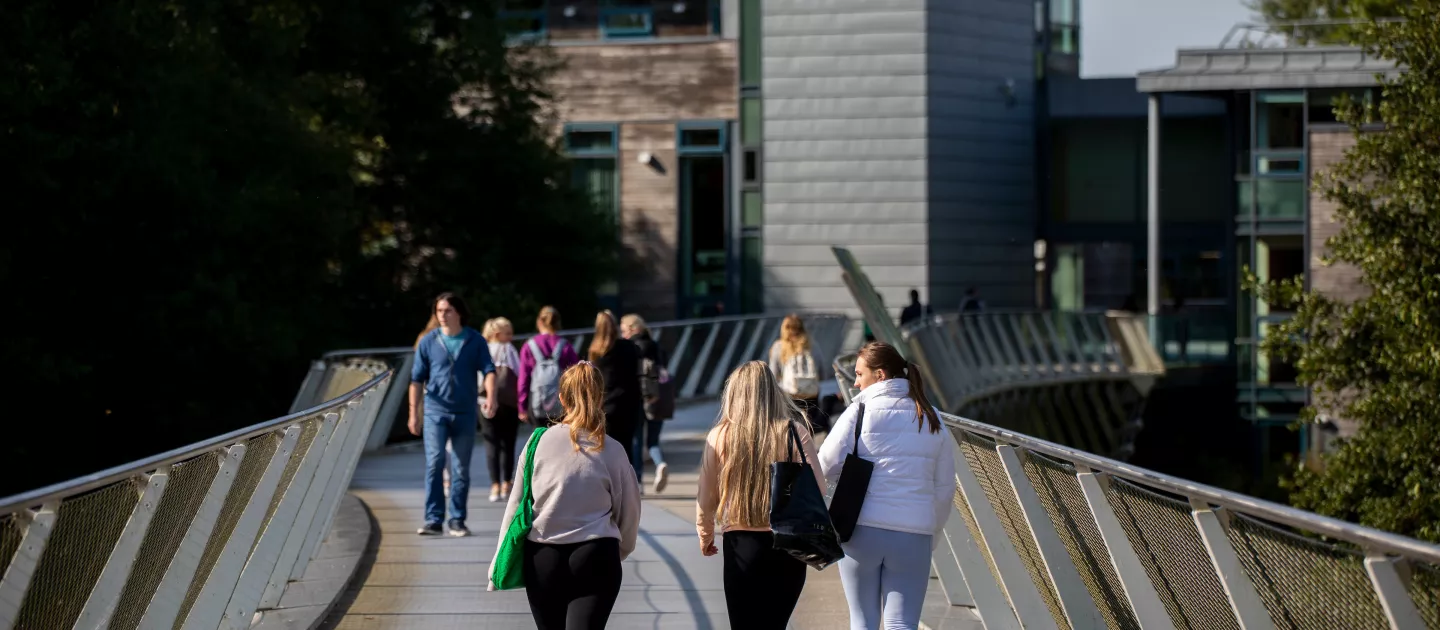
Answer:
[(923, 408)]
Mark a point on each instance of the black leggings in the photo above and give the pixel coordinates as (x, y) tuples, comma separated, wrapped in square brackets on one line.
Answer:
[(762, 584), (499, 434), (574, 586)]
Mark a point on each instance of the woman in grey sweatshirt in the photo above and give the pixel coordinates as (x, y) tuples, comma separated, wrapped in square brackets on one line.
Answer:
[(587, 511)]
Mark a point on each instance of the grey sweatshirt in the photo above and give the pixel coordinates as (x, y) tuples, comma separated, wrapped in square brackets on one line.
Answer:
[(579, 495)]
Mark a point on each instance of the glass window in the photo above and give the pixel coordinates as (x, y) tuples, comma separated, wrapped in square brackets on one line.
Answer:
[(1280, 120), (752, 166), (701, 138), (590, 141), (750, 42), (627, 18), (1274, 198), (597, 176), (1322, 103), (752, 209)]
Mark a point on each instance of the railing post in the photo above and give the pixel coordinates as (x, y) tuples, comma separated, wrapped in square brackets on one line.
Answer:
[(1249, 610), (1389, 585), (106, 595), (692, 380), (362, 413), (251, 586), (396, 394), (22, 567), (722, 368), (209, 605), (1139, 590), (754, 343), (170, 595), (300, 531), (983, 592), (1074, 598), (1014, 578)]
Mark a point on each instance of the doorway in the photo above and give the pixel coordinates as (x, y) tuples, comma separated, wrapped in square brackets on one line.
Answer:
[(704, 236)]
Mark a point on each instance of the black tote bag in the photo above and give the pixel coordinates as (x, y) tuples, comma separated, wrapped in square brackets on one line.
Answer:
[(851, 488), (798, 517)]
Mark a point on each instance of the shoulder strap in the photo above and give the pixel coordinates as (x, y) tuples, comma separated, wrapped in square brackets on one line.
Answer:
[(555, 352), (534, 348), (859, 422), (795, 445), (527, 496)]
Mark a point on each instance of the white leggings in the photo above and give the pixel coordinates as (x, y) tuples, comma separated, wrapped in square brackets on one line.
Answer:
[(885, 572)]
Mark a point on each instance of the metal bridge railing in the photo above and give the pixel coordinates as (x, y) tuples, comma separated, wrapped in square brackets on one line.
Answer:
[(699, 354), (1048, 536), (200, 537)]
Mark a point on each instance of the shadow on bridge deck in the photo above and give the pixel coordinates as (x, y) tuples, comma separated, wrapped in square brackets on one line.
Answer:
[(439, 583)]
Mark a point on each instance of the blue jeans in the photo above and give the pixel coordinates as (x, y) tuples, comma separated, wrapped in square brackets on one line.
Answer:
[(459, 431), (885, 572)]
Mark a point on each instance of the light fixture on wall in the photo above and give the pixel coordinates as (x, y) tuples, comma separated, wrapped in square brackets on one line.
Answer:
[(678, 7), (645, 157), (569, 11)]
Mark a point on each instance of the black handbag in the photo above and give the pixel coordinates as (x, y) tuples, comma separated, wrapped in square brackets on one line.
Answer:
[(851, 488), (798, 518)]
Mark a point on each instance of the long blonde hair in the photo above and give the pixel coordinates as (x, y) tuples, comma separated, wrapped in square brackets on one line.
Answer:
[(606, 331), (793, 338), (582, 395), (756, 417)]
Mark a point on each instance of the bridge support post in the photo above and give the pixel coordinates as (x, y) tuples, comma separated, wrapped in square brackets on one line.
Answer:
[(1139, 590), (1249, 610), (299, 532), (106, 594), (1385, 576)]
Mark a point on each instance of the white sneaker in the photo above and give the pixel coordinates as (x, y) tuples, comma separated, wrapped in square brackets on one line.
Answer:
[(662, 477), (494, 497)]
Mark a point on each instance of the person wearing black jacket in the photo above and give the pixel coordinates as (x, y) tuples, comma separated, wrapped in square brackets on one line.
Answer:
[(633, 327), (619, 362)]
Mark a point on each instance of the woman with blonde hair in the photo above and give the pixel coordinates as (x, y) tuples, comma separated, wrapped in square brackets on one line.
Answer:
[(794, 365), (886, 568), (757, 423), (619, 362), (499, 430), (545, 357), (653, 377), (587, 512)]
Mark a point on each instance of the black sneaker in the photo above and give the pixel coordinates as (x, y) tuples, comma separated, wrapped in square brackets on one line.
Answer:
[(456, 528), (430, 529)]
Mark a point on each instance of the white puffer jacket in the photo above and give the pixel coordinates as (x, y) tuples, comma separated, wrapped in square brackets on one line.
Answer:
[(913, 484)]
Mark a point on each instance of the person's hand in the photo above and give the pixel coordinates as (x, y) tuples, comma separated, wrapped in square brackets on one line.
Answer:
[(489, 407), (708, 549), (524, 417), (414, 425)]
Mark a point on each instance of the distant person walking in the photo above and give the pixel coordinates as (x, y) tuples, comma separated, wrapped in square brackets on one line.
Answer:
[(796, 369), (915, 310), (762, 583), (619, 363), (499, 430), (886, 568), (542, 360), (587, 512), (653, 377), (972, 302), (450, 363)]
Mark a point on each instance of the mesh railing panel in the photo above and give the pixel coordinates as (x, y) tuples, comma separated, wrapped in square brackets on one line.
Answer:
[(186, 489), (969, 516), (1163, 533), (308, 429), (985, 463), (1306, 584), (11, 531), (1064, 502), (258, 452), (1425, 592), (86, 530)]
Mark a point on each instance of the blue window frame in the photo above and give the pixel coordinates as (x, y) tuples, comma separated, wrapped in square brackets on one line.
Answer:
[(701, 138), (715, 26), (592, 140), (621, 19)]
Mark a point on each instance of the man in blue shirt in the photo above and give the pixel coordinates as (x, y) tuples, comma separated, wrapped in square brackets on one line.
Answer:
[(450, 361)]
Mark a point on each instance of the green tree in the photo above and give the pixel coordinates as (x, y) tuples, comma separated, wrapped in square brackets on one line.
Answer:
[(1289, 12), (1376, 360)]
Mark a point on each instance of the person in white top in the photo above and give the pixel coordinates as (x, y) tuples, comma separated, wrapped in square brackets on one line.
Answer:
[(887, 560)]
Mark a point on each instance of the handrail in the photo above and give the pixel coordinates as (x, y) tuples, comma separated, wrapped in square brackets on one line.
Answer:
[(1295, 27), (111, 475)]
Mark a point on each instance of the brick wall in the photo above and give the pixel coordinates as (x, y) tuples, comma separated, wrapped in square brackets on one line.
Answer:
[(1339, 280)]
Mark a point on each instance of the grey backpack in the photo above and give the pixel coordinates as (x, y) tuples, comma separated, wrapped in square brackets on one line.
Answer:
[(545, 381)]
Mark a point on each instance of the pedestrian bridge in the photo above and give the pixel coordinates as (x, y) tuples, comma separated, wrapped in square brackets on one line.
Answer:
[(308, 520)]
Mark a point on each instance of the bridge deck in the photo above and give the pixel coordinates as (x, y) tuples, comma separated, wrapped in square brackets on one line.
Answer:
[(439, 583)]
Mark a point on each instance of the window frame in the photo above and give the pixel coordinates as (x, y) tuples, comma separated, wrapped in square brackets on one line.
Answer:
[(612, 153), (609, 9), (719, 126)]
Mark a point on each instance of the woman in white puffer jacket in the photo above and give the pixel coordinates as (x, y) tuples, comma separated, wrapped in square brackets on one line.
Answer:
[(887, 560)]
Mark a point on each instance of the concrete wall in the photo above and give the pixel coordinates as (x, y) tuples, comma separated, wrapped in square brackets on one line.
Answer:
[(845, 148), (981, 153)]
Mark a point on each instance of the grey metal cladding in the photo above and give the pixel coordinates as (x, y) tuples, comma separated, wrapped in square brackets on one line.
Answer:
[(981, 153), (844, 91)]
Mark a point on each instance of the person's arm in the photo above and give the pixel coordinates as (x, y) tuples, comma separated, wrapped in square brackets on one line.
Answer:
[(419, 374), (807, 443), (486, 370), (625, 498), (944, 486), (511, 506), (707, 496), (568, 357), (838, 443)]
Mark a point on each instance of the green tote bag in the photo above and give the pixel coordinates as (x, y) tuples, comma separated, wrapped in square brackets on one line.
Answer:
[(508, 572)]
